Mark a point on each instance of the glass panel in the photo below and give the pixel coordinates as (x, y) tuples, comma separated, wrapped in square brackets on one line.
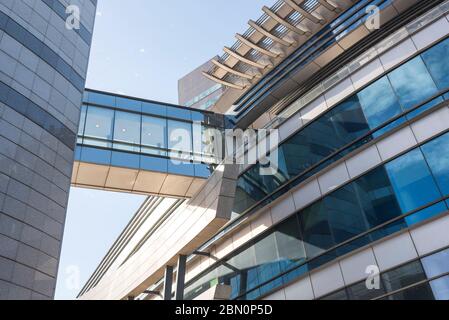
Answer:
[(179, 113), (424, 107), (436, 153), (82, 120), (154, 135), (421, 292), (403, 276), (289, 243), (379, 103), (426, 214), (99, 124), (437, 61), (436, 264), (267, 259), (345, 216), (377, 197), (359, 291), (180, 137), (440, 288), (129, 104), (127, 129), (422, 87), (244, 263), (348, 122), (154, 108), (101, 99), (316, 230), (412, 181)]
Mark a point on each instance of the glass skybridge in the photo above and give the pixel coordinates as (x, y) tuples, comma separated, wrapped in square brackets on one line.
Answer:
[(141, 146)]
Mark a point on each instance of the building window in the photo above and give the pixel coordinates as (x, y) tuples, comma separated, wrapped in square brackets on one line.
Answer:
[(436, 264), (412, 182), (379, 103), (411, 92), (434, 152), (127, 131), (154, 135), (437, 61), (180, 138), (99, 124)]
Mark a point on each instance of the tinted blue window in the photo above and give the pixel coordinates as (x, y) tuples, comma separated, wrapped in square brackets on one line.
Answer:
[(440, 288), (412, 181), (129, 104), (437, 155), (377, 197), (101, 99), (290, 246), (82, 121), (437, 60), (99, 123), (348, 122), (315, 229), (426, 214), (267, 259), (127, 130), (154, 108), (403, 276), (179, 113), (345, 216), (197, 116), (424, 107), (123, 159), (379, 103), (154, 135), (436, 264), (410, 93), (180, 136), (94, 155)]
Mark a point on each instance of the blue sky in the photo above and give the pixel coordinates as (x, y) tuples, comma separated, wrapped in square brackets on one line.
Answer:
[(140, 48)]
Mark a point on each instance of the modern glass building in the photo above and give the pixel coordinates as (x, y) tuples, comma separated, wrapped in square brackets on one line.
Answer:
[(198, 92), (42, 73), (358, 91)]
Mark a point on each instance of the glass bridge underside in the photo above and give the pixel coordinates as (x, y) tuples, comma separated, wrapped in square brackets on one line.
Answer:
[(133, 145)]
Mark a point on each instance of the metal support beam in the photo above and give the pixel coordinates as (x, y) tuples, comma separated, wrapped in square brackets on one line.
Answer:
[(288, 25), (254, 46), (268, 34), (180, 277), (230, 70), (225, 83), (303, 12), (244, 60), (168, 283), (331, 5)]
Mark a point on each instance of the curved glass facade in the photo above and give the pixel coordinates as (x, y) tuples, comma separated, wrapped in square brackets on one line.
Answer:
[(319, 43), (423, 279), (394, 196), (390, 101)]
